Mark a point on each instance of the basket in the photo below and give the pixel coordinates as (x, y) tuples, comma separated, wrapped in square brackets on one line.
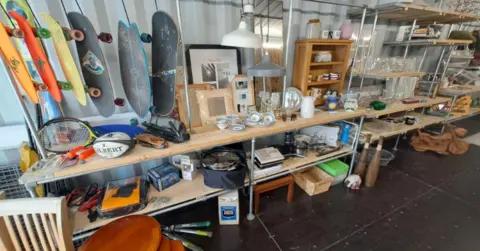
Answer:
[(385, 156), (313, 181)]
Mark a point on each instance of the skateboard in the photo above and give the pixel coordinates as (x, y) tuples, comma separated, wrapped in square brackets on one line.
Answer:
[(38, 56), (94, 68), (15, 62), (164, 62), (134, 68), (49, 107), (65, 57)]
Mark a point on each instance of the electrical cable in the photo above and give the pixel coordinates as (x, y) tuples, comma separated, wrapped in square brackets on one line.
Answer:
[(126, 13)]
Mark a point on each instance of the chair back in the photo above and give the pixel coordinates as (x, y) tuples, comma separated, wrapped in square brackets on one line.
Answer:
[(35, 224)]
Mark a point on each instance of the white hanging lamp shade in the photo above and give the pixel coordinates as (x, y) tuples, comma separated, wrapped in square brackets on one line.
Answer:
[(266, 68), (242, 37)]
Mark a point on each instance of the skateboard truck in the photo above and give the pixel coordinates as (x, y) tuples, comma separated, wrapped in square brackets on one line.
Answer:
[(64, 85), (146, 38), (105, 37), (73, 34), (119, 102)]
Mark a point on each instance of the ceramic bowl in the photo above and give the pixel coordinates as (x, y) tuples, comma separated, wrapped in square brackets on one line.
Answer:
[(233, 118), (237, 128), (269, 118), (254, 117), (222, 124)]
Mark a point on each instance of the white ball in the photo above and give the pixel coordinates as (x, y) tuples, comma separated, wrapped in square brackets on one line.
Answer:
[(112, 145)]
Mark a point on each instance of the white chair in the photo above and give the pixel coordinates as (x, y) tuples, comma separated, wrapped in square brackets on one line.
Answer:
[(35, 224)]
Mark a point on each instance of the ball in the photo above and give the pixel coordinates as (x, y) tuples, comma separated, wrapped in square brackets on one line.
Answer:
[(113, 145)]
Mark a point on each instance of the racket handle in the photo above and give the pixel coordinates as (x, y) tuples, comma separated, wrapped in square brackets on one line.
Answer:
[(194, 224), (86, 154), (73, 153)]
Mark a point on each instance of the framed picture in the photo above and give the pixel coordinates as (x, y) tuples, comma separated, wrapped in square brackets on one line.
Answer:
[(194, 109), (214, 103), (243, 94), (212, 64)]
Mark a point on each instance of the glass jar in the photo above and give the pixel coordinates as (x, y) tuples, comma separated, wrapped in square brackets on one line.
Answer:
[(313, 29)]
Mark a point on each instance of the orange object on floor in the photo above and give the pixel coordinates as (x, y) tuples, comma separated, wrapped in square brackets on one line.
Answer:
[(177, 245), (130, 233), (38, 56), (165, 244), (272, 185)]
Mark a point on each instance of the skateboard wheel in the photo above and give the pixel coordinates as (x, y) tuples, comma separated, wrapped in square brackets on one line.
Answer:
[(94, 92), (42, 87), (67, 86), (153, 109), (146, 38), (134, 122), (76, 35), (17, 33), (119, 102), (105, 37), (42, 33)]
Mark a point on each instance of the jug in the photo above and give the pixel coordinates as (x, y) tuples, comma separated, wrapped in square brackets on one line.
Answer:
[(331, 102), (351, 101)]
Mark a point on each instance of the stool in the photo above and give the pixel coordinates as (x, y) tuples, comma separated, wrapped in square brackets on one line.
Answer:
[(272, 185)]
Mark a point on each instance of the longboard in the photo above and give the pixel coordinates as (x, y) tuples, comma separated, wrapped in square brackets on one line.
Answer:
[(38, 56), (134, 68), (94, 68), (65, 57), (16, 64), (164, 62), (49, 107)]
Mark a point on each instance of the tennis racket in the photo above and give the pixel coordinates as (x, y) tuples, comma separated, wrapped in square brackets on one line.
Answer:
[(60, 135)]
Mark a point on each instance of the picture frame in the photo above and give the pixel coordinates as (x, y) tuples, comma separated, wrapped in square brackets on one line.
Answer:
[(213, 64), (180, 96), (243, 93), (214, 103)]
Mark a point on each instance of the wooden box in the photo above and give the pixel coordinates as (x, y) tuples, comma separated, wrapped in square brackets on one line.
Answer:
[(313, 181)]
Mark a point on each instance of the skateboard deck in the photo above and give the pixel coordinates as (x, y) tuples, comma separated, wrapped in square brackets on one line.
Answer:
[(134, 68), (49, 107), (38, 56), (16, 64), (164, 62), (65, 57), (94, 68)]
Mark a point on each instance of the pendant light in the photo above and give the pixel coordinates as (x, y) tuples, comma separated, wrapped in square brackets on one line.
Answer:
[(266, 68), (242, 37)]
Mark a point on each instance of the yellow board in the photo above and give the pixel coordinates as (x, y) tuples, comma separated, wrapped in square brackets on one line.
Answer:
[(66, 60)]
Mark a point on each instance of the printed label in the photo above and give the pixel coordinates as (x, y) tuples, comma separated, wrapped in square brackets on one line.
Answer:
[(92, 63), (228, 212)]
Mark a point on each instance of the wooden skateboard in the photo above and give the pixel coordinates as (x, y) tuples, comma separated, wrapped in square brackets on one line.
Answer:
[(94, 68), (134, 68), (38, 56), (15, 62), (50, 109), (164, 62), (65, 57)]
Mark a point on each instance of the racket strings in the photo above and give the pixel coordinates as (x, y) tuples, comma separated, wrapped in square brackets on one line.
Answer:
[(62, 136)]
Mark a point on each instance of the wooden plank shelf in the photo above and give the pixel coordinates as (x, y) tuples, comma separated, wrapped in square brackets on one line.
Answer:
[(399, 107), (390, 75), (423, 14), (431, 42), (324, 82), (458, 90), (327, 63)]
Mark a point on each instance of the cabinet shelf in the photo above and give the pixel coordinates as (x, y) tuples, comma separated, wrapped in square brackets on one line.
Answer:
[(327, 63), (424, 42), (324, 82), (390, 75)]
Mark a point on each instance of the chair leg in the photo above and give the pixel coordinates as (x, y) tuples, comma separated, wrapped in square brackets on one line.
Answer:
[(290, 192), (257, 203)]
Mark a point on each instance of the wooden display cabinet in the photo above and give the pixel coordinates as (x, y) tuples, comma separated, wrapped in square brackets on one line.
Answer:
[(305, 51)]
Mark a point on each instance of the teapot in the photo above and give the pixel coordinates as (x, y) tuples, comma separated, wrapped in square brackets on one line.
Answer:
[(350, 102)]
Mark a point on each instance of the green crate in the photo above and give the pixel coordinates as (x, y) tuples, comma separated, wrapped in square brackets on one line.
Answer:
[(334, 167)]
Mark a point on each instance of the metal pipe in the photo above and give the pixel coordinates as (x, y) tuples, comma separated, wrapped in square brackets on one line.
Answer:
[(287, 50), (440, 4), (396, 143), (436, 72), (423, 58), (369, 48), (267, 16), (263, 52), (355, 144), (449, 113), (250, 215), (409, 38), (360, 34), (184, 58), (26, 114), (337, 3)]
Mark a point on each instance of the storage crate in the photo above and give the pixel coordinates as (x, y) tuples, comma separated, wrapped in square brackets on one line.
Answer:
[(313, 181)]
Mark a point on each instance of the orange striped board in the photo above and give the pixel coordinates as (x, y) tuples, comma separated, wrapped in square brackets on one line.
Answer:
[(16, 64), (38, 56)]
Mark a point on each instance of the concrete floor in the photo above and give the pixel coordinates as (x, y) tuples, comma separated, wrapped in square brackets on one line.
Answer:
[(422, 201)]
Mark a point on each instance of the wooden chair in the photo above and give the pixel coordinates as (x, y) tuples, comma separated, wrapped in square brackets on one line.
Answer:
[(272, 185), (35, 224)]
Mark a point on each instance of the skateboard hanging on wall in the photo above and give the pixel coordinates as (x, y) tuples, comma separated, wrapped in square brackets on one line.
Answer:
[(65, 56), (164, 62), (50, 109), (15, 62), (134, 68), (38, 55), (94, 68)]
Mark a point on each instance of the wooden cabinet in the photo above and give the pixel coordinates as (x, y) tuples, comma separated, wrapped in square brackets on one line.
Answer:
[(305, 52)]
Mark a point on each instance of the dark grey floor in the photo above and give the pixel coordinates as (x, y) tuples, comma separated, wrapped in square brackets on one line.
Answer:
[(422, 201)]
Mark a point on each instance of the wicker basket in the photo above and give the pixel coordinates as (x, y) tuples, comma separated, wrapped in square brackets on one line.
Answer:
[(313, 181)]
